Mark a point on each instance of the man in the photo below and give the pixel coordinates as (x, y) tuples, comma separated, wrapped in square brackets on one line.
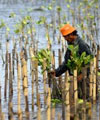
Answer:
[(71, 36)]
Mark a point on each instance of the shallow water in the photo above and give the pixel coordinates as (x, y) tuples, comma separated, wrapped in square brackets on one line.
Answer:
[(21, 8)]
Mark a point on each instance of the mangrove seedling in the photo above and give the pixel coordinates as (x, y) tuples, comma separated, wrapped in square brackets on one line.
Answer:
[(41, 56), (76, 61), (3, 25)]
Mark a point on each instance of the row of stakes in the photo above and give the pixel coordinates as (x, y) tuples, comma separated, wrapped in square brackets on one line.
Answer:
[(69, 88)]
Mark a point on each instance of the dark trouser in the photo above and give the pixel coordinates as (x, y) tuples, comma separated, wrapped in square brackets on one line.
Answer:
[(83, 89)]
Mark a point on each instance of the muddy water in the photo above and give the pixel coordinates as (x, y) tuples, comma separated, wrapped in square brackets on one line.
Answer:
[(21, 9)]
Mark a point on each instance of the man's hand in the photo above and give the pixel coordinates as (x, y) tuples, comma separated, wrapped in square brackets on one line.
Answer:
[(52, 73)]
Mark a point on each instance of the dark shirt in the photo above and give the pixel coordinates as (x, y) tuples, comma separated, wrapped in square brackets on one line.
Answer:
[(83, 47)]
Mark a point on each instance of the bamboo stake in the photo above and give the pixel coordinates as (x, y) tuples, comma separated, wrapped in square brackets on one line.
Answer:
[(2, 116), (67, 98), (44, 80), (84, 114), (53, 113), (54, 81), (7, 45), (26, 42), (10, 104), (75, 88), (18, 86), (60, 60), (49, 104), (48, 36), (32, 35), (59, 116), (33, 75), (36, 76), (10, 111), (10, 78), (25, 85), (13, 63), (63, 46), (90, 110), (53, 60), (39, 108), (71, 91), (6, 76), (97, 58), (84, 83), (20, 42), (0, 101), (63, 99), (25, 81), (91, 80), (59, 23), (94, 81)]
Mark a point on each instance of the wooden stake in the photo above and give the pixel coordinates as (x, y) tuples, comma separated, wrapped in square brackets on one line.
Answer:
[(94, 81), (25, 84), (75, 88), (36, 76), (13, 63), (49, 104), (2, 116), (33, 75), (71, 91), (6, 75), (60, 61), (10, 104), (0, 101), (59, 116), (67, 96), (39, 108), (18, 86), (44, 80), (84, 114), (10, 111), (91, 80), (84, 72), (53, 60), (10, 77), (53, 113)]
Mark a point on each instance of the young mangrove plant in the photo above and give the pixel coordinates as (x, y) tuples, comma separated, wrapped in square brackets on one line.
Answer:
[(41, 56), (43, 20), (76, 61), (3, 26), (22, 25)]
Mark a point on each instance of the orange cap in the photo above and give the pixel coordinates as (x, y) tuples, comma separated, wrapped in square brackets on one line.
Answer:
[(67, 29)]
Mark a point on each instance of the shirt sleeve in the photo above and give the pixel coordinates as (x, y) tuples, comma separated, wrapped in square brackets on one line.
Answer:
[(63, 67), (85, 48)]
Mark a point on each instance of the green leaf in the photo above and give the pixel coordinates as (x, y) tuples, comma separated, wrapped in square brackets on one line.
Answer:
[(17, 31), (80, 101), (2, 24), (50, 7), (68, 6), (12, 15), (56, 101), (59, 8)]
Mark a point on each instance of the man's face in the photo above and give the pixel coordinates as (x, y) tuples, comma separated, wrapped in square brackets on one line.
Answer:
[(70, 37)]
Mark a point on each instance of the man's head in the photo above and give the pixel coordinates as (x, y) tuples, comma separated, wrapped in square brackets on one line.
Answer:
[(69, 32)]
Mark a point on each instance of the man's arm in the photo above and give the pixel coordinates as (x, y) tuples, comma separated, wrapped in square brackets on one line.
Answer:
[(63, 67)]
